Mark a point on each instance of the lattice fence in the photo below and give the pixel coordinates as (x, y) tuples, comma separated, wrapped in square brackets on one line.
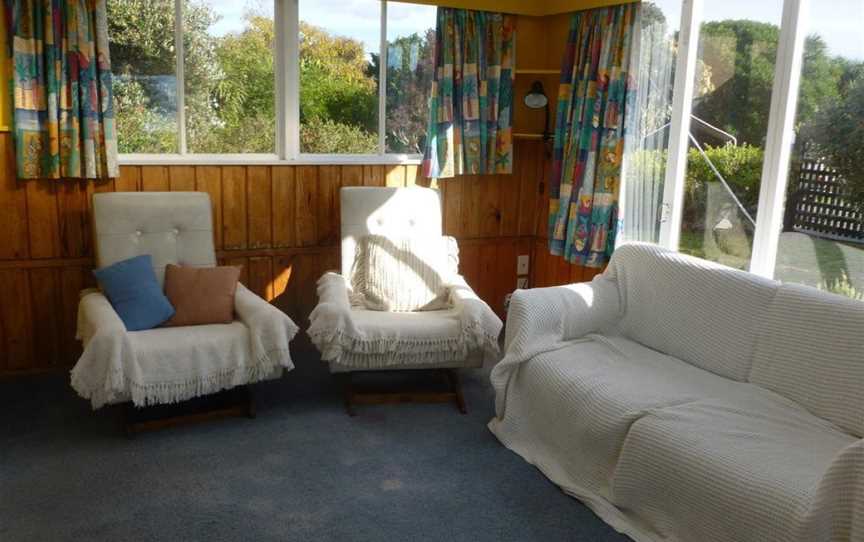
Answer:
[(821, 205)]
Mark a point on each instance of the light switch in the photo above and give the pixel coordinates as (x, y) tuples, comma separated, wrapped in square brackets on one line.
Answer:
[(522, 264)]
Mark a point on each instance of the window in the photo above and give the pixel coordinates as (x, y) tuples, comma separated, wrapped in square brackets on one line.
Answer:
[(822, 239), (229, 78), (410, 69), (272, 78), (144, 66), (339, 76), (728, 128)]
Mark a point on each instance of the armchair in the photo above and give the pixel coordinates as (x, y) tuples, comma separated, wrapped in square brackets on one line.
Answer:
[(353, 339), (171, 364)]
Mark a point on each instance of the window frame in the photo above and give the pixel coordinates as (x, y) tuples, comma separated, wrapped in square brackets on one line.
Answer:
[(778, 146), (286, 61)]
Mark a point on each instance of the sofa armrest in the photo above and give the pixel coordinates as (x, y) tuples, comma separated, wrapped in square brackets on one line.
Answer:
[(560, 313)]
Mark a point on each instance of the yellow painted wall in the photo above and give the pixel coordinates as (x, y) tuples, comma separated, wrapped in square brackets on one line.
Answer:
[(535, 8), (5, 74)]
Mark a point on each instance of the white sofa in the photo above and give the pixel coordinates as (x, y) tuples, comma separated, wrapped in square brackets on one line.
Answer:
[(686, 401)]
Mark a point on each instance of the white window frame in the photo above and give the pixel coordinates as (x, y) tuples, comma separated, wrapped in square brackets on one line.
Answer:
[(287, 89), (780, 137)]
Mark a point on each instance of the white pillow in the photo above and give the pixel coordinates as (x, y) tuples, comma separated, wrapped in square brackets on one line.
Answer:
[(404, 274)]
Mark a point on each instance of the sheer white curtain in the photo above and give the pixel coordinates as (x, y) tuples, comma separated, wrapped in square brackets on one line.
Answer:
[(647, 128)]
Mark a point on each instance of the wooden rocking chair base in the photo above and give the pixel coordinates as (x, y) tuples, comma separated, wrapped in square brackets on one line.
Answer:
[(234, 402), (452, 394)]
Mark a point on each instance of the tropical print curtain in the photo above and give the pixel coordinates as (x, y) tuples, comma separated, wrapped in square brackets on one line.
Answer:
[(589, 135), (470, 108), (63, 116)]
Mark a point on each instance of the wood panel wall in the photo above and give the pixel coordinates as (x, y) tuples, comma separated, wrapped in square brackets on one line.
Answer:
[(281, 223)]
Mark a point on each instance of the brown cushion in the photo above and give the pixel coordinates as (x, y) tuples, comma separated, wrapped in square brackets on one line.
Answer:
[(201, 295)]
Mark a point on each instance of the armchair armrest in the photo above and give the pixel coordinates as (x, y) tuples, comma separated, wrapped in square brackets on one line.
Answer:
[(99, 373), (270, 329), (331, 318), (480, 324), (97, 316)]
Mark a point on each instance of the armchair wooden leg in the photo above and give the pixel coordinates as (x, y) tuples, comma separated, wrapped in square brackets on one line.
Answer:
[(348, 386), (251, 412), (456, 387), (238, 401)]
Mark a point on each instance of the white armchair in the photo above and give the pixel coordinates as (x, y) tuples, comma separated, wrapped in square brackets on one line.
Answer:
[(171, 364), (352, 338)]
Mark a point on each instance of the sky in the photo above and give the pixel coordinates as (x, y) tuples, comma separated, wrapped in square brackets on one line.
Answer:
[(839, 22), (360, 19)]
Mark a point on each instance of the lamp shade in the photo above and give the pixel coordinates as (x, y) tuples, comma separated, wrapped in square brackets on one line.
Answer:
[(536, 97)]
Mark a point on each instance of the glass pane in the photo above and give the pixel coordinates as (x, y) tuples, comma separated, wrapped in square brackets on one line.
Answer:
[(647, 132), (339, 43), (410, 67), (229, 77), (145, 81), (822, 242), (728, 127)]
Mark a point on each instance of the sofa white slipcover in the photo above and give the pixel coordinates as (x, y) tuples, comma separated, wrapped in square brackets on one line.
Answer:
[(683, 400)]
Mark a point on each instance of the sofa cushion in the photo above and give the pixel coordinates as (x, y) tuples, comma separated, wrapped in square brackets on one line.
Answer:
[(701, 312), (740, 468), (570, 410), (201, 295), (811, 350), (131, 287)]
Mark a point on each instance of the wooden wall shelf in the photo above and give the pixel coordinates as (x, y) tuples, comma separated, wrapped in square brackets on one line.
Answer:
[(529, 71), (518, 135)]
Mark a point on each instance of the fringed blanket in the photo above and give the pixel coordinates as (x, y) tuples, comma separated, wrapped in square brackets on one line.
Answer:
[(167, 365), (337, 329)]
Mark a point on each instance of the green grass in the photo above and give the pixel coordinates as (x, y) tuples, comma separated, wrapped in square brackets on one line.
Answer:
[(821, 263)]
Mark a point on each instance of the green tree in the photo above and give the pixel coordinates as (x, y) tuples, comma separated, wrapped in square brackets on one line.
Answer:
[(741, 57), (335, 87), (229, 89), (410, 70), (835, 134)]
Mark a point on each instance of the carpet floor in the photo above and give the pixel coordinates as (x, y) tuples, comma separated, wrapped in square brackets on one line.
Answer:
[(302, 470)]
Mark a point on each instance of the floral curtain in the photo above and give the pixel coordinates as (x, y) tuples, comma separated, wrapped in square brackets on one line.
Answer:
[(470, 108), (589, 135), (63, 117)]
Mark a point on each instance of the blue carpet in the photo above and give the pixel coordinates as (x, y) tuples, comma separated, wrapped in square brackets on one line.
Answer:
[(303, 470)]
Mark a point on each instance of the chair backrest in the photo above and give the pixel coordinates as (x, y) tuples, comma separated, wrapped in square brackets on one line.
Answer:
[(172, 227), (391, 212)]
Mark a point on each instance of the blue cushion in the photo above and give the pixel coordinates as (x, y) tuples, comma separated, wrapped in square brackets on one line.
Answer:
[(131, 287)]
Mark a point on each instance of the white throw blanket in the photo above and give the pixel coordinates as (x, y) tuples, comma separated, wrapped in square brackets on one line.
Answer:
[(660, 448), (335, 331), (167, 365)]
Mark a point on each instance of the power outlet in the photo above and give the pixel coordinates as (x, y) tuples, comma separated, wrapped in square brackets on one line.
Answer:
[(521, 283), (522, 263)]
